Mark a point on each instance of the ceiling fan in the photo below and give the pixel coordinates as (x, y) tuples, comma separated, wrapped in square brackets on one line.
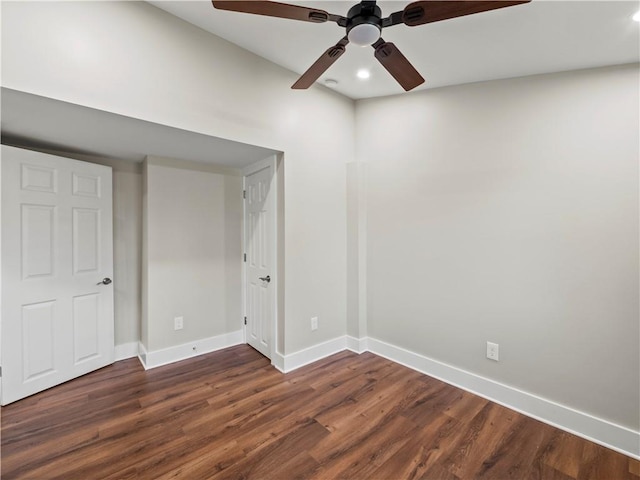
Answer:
[(364, 23)]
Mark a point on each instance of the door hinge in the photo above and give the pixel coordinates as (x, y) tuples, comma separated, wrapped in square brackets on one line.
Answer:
[(245, 257), (244, 194), (245, 320)]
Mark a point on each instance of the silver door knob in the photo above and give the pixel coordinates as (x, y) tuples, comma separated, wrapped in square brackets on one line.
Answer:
[(265, 279), (105, 281)]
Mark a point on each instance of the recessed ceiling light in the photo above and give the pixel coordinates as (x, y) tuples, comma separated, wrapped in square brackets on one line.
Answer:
[(363, 74), (636, 17), (330, 82)]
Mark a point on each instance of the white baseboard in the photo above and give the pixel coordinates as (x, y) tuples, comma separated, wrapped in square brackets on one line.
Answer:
[(312, 354), (357, 345), (597, 430), (165, 356), (278, 361), (142, 355), (126, 350)]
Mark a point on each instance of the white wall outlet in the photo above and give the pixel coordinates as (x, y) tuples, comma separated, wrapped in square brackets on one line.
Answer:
[(314, 323), (178, 323), (493, 351)]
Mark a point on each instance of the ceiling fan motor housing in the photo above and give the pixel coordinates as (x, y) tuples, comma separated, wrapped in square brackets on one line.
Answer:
[(364, 23)]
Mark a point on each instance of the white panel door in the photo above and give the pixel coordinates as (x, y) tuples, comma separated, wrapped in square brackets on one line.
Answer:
[(259, 264), (57, 248)]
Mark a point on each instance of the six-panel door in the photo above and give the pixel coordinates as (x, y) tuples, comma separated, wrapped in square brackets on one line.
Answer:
[(57, 247), (259, 262)]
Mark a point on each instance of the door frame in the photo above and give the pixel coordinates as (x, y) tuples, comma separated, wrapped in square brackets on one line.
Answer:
[(272, 200)]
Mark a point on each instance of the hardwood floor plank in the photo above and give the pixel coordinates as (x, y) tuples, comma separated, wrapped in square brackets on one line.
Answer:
[(549, 473), (439, 472), (564, 453), (424, 449), (301, 466), (343, 370), (234, 414), (377, 390), (267, 461), (358, 456), (434, 400), (519, 453), (231, 415), (35, 453), (484, 433), (600, 463), (365, 421), (203, 462), (464, 406)]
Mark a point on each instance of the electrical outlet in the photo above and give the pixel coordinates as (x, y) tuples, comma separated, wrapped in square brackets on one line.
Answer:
[(493, 351), (314, 323), (178, 323)]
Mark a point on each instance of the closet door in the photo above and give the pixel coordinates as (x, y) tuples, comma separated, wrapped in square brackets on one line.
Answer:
[(57, 264)]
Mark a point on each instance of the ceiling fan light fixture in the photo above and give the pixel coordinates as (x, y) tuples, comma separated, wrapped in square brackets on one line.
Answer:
[(364, 34), (364, 23)]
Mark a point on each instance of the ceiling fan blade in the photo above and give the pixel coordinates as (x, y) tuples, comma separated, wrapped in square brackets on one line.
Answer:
[(397, 65), (275, 9), (429, 11), (321, 65)]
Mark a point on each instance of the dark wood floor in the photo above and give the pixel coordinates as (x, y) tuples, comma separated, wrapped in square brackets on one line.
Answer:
[(230, 415)]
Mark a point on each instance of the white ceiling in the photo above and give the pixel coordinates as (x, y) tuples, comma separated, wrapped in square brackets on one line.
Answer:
[(539, 37), (39, 122)]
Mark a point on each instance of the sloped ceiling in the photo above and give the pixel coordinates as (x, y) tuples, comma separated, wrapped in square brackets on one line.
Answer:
[(539, 37)]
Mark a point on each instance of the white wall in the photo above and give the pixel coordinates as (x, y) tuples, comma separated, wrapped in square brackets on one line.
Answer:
[(508, 212), (193, 220), (133, 59), (127, 246)]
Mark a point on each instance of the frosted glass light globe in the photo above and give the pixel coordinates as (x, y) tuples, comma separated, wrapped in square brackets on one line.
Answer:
[(364, 34)]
